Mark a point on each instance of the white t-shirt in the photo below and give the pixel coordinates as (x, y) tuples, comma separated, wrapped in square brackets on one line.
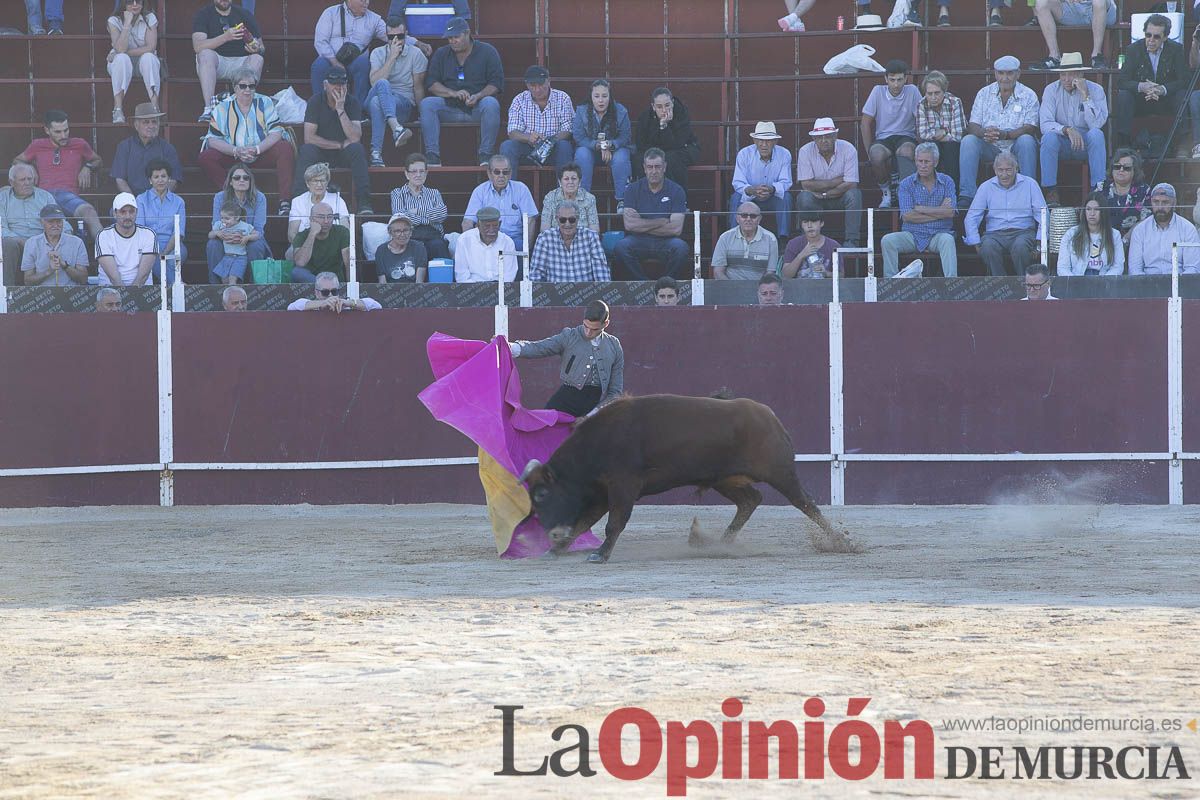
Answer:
[(302, 209), (127, 252)]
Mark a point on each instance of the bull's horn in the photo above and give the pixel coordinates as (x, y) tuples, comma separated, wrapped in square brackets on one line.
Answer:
[(530, 467)]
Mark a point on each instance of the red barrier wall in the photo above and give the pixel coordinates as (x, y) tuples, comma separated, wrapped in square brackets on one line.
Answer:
[(1074, 376)]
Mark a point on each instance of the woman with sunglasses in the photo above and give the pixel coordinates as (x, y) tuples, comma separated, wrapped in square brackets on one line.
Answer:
[(1093, 246), (245, 129), (239, 188), (1126, 195), (134, 34)]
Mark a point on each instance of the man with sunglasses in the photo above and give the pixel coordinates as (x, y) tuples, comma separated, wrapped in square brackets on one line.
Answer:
[(327, 297), (748, 251), (66, 166), (511, 197), (397, 87), (1153, 81), (145, 145), (569, 252)]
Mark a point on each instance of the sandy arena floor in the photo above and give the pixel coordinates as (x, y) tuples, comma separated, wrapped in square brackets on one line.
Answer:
[(358, 651)]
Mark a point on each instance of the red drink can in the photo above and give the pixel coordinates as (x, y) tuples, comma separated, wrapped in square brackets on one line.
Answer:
[(841, 23)]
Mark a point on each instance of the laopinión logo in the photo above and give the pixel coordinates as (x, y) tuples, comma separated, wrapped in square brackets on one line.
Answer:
[(853, 750)]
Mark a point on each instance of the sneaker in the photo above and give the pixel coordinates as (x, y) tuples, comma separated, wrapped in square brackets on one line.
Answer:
[(964, 202), (886, 202), (1049, 62), (365, 209), (37, 31), (118, 116), (912, 20), (620, 206), (376, 158), (1032, 23), (994, 20), (285, 208), (1098, 62), (56, 31), (433, 159), (944, 18), (1196, 151), (484, 158), (206, 115), (399, 137)]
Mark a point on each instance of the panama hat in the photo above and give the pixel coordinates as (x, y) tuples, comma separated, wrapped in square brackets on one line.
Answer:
[(765, 130), (823, 126), (869, 22)]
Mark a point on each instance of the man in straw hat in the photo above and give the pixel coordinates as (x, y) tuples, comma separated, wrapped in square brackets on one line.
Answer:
[(1096, 14), (1072, 117), (145, 145), (762, 174), (827, 170)]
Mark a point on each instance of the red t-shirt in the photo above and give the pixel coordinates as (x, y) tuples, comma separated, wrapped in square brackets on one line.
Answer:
[(65, 174)]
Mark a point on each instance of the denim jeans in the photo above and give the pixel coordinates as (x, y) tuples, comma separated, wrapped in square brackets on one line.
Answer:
[(214, 253), (973, 149), (435, 109), (1057, 147), (621, 167), (248, 5), (54, 15), (634, 247), (517, 153), (383, 103), (359, 72), (779, 206)]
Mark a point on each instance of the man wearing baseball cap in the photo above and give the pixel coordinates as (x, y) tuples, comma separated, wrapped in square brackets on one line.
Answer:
[(464, 79), (1151, 240), (762, 174), (538, 114), (125, 251), (827, 170), (333, 134), (54, 258), (1004, 118)]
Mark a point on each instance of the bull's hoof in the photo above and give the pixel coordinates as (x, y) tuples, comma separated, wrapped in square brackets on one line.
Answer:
[(597, 557)]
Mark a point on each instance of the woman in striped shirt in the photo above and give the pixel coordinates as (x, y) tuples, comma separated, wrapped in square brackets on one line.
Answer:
[(423, 205)]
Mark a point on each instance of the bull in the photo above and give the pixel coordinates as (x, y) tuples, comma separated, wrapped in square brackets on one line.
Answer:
[(638, 446)]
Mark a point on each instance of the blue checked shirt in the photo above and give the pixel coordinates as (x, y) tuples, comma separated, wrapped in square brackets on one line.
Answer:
[(554, 263), (913, 193)]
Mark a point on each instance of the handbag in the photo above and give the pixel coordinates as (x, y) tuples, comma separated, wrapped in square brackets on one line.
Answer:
[(853, 59), (1062, 219), (271, 270), (349, 50)]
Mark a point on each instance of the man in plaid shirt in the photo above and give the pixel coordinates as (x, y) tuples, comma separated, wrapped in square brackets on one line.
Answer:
[(569, 252), (537, 114)]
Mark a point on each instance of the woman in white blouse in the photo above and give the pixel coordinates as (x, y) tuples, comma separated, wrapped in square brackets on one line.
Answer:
[(1093, 246), (134, 33)]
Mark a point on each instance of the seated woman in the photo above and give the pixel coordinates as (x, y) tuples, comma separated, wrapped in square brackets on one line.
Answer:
[(1126, 193), (1093, 246), (401, 259), (423, 206), (940, 120), (316, 178), (569, 188), (602, 132), (239, 188), (134, 34), (245, 129)]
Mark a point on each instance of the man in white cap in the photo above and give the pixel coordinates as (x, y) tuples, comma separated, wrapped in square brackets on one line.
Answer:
[(762, 174), (1151, 240), (1072, 117), (125, 251), (827, 170), (1096, 14), (1004, 118)]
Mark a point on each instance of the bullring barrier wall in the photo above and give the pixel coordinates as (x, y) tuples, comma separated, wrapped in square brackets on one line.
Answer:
[(939, 402)]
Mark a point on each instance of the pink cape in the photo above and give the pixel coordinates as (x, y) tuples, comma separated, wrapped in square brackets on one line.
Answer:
[(477, 391)]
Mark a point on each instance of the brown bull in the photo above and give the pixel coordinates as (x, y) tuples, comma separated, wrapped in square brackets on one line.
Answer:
[(637, 446)]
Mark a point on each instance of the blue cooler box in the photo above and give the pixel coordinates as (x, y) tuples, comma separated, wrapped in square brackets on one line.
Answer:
[(441, 270), (428, 20)]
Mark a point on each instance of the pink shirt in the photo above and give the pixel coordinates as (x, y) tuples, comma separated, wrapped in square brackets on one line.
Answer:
[(811, 165), (64, 175)]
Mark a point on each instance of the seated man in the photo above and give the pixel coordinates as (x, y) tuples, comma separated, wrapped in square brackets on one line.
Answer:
[(108, 301), (1073, 114), (477, 255), (66, 165), (667, 126), (510, 196), (1037, 283), (54, 258), (157, 208), (333, 135), (1153, 81), (762, 174), (809, 255), (889, 125), (225, 38), (569, 251), (1013, 204), (748, 251), (397, 86), (1097, 14), (326, 297), (538, 114), (1152, 238), (233, 298), (1004, 118), (770, 290), (666, 291), (322, 247), (349, 23), (21, 204), (145, 145), (125, 251), (464, 79), (926, 214), (653, 216), (827, 171)]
